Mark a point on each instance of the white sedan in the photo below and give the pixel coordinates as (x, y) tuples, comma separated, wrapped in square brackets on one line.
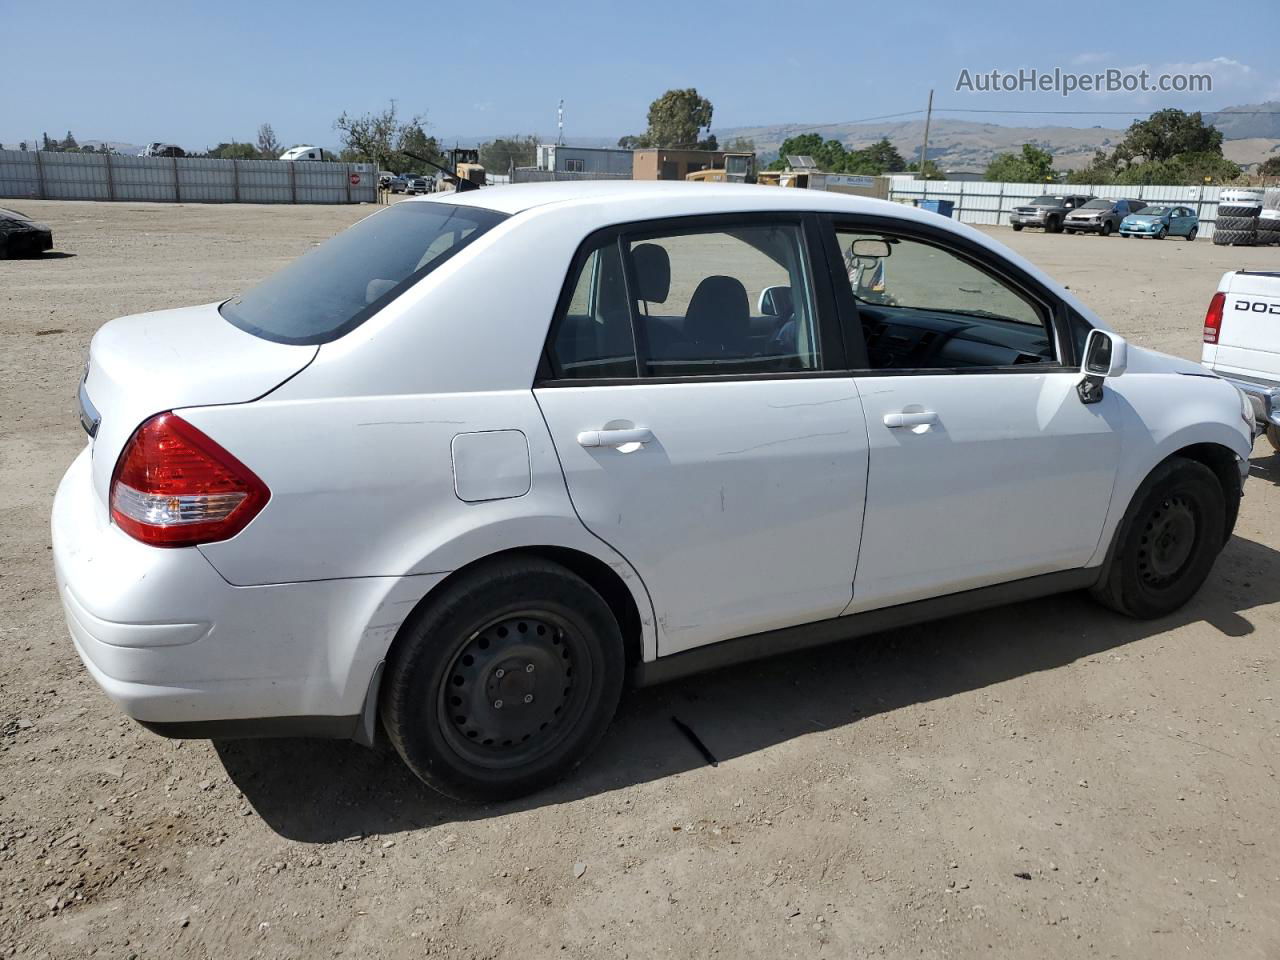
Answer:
[(456, 475)]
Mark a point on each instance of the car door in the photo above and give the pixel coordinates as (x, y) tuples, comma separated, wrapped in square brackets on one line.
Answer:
[(985, 466), (695, 389)]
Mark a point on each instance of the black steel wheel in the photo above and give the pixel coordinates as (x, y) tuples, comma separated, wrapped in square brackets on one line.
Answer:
[(512, 692), (1165, 546), (503, 682)]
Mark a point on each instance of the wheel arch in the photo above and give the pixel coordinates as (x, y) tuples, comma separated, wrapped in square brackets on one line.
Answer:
[(596, 572), (1223, 461)]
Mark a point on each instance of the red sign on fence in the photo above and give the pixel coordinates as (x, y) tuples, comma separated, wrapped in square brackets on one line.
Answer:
[(355, 179)]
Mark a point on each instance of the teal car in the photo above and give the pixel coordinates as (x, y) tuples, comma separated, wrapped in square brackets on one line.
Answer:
[(1160, 222)]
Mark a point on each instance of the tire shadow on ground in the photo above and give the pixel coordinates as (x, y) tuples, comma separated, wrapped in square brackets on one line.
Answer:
[(327, 791)]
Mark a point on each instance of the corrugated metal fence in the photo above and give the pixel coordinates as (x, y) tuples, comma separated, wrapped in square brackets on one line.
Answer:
[(99, 176), (980, 202)]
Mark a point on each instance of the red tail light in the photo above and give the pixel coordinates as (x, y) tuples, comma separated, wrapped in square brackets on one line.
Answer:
[(1213, 318), (175, 487)]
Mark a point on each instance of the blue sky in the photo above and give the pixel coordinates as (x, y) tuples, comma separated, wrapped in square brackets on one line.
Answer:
[(198, 73)]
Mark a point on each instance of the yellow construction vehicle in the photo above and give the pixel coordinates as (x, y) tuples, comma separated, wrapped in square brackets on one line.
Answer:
[(738, 168)]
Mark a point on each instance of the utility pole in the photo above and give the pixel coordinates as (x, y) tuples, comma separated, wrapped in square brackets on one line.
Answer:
[(924, 147)]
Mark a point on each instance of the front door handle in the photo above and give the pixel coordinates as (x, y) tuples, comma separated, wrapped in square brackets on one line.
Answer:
[(910, 419), (614, 438)]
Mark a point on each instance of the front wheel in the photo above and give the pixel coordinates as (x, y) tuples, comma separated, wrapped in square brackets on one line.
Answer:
[(1161, 233), (1167, 541), (502, 684), (1054, 226), (1273, 437), (1016, 227), (1106, 230)]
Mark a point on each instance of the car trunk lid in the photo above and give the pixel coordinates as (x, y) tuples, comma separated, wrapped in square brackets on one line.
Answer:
[(145, 364)]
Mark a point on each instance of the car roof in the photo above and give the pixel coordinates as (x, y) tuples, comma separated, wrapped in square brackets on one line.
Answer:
[(671, 198), (595, 204)]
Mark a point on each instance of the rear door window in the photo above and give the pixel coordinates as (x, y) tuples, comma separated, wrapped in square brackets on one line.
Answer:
[(341, 283)]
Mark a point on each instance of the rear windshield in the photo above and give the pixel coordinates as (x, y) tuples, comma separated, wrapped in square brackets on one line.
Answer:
[(1048, 201), (340, 284)]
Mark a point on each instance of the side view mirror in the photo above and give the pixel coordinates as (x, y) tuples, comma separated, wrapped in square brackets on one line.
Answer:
[(775, 301), (1105, 355), (871, 247)]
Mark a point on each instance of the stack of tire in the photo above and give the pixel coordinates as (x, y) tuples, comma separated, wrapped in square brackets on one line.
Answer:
[(1239, 210), (1269, 218)]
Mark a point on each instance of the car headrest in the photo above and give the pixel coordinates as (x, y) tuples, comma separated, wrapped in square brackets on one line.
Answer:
[(653, 272), (718, 313)]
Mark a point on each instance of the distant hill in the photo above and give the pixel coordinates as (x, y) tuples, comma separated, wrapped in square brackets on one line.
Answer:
[(1238, 124), (968, 145), (953, 144)]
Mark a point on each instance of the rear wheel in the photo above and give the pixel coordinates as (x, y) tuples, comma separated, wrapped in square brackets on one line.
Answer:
[(1054, 225), (1166, 543), (1273, 437), (502, 684), (1192, 235)]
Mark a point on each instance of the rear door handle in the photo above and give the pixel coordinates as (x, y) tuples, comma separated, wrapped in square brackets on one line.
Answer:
[(910, 419), (614, 438)]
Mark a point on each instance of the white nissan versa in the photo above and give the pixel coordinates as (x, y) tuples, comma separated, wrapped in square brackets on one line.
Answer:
[(456, 474)]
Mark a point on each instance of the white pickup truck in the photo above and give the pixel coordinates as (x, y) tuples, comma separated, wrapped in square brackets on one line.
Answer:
[(1242, 341)]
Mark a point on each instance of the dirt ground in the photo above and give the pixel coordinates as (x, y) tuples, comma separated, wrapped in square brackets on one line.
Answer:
[(1046, 779)]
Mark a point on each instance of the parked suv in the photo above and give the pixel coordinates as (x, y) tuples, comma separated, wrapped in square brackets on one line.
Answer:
[(460, 472), (1047, 212), (1101, 215)]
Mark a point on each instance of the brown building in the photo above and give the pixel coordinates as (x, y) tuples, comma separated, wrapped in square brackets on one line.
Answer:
[(673, 164)]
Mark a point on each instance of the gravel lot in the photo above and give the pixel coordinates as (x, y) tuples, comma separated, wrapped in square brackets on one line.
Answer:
[(1045, 779)]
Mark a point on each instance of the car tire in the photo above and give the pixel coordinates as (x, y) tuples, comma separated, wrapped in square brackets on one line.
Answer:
[(1237, 223), (1234, 237), (1237, 210), (1162, 233), (1273, 437), (1192, 234), (521, 634), (1167, 541), (1054, 225), (1105, 230), (1016, 227)]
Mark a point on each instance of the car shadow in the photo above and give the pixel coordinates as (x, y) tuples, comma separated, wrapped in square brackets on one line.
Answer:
[(326, 791), (1266, 468)]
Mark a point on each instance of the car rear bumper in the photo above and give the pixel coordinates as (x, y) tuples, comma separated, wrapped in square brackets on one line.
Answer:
[(188, 654)]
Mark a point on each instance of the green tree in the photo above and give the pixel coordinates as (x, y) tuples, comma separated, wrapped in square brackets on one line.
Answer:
[(233, 151), (1268, 168), (1167, 133), (382, 138), (47, 144), (268, 145), (499, 156), (633, 142), (88, 148), (1032, 165), (676, 119), (23, 146), (69, 143), (879, 158)]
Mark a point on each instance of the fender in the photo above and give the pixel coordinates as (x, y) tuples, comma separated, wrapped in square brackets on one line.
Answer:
[(1157, 415)]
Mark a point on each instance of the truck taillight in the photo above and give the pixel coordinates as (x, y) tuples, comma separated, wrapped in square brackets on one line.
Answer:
[(175, 487), (1213, 318)]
